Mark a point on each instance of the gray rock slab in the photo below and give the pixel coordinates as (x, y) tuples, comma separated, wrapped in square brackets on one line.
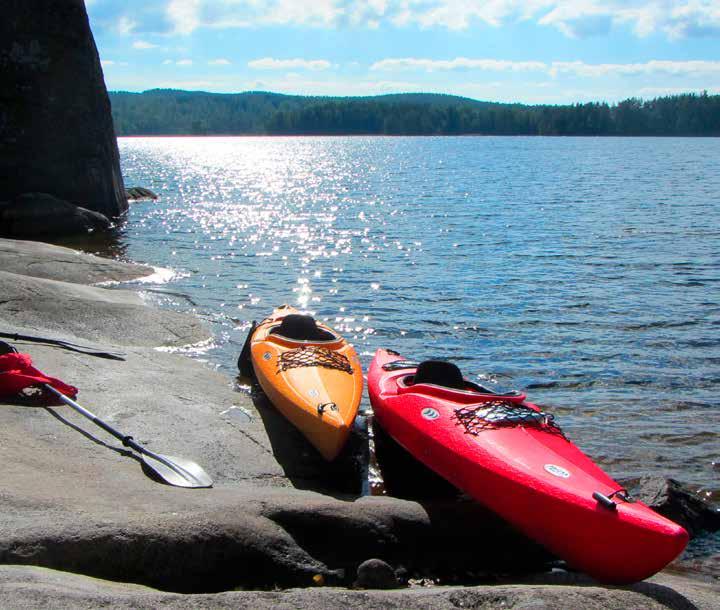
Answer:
[(30, 587), (73, 498), (37, 259), (119, 317), (172, 403)]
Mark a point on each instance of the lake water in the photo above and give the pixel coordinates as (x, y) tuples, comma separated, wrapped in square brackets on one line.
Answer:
[(585, 271)]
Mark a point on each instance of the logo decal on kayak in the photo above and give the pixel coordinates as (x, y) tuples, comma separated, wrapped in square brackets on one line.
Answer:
[(429, 413), (557, 471), (267, 356)]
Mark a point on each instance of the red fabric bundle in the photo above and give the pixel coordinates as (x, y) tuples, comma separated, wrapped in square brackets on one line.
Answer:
[(18, 373)]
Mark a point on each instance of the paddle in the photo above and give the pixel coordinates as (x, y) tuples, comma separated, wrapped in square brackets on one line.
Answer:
[(176, 471), (73, 347), (179, 472)]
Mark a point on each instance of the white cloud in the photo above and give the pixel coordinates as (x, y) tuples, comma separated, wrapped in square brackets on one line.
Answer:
[(556, 68), (207, 85), (179, 62), (674, 68), (660, 91), (694, 18), (294, 86), (143, 45), (299, 86), (219, 62), (574, 18), (125, 25), (269, 63), (184, 15), (459, 63), (107, 63)]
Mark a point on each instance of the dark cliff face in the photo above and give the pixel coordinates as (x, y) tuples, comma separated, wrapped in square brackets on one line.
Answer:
[(56, 131)]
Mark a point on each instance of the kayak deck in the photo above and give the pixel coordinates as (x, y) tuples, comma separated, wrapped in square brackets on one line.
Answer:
[(315, 383)]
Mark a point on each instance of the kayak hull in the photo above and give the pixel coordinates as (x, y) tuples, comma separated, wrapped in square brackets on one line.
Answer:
[(530, 475), (320, 401)]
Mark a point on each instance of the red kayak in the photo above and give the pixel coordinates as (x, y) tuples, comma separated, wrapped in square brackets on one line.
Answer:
[(514, 459)]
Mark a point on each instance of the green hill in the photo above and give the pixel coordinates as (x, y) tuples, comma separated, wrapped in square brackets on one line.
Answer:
[(175, 112)]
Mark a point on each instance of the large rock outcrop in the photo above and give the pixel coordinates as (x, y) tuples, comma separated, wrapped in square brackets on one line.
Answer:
[(56, 131), (76, 507), (42, 216)]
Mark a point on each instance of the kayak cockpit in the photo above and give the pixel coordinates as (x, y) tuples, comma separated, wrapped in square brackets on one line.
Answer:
[(299, 328), (444, 379)]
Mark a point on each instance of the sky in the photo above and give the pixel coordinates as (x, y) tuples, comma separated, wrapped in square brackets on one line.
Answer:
[(536, 51)]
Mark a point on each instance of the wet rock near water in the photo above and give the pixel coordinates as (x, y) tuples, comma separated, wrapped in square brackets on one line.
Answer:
[(38, 259), (139, 193), (678, 502), (56, 130), (119, 317), (42, 216)]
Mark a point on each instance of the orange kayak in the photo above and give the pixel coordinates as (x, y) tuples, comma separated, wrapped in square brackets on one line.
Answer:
[(311, 375)]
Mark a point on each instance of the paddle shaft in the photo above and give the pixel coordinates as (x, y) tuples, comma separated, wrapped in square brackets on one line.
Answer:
[(73, 347), (128, 441)]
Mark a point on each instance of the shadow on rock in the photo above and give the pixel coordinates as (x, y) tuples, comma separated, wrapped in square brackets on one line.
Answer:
[(302, 463), (96, 440), (492, 547), (662, 594)]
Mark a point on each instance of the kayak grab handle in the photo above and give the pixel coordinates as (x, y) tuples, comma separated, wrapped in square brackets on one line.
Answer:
[(604, 501)]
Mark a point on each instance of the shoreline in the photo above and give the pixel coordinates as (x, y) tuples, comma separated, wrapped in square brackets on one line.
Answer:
[(263, 525)]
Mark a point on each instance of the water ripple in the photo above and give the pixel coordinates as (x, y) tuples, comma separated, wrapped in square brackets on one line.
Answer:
[(584, 270)]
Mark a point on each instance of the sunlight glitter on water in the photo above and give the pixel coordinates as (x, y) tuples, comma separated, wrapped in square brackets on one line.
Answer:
[(576, 268)]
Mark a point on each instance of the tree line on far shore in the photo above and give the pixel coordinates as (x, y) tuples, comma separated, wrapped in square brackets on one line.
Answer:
[(173, 112)]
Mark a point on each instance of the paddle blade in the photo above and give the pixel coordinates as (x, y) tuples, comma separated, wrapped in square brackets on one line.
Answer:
[(177, 471)]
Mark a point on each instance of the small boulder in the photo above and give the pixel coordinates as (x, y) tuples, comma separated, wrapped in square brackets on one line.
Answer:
[(376, 574), (138, 193), (677, 502), (39, 215)]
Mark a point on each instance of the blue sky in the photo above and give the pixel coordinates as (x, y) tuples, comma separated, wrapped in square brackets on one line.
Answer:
[(536, 51)]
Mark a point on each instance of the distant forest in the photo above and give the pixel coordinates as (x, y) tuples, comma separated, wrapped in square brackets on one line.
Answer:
[(172, 112)]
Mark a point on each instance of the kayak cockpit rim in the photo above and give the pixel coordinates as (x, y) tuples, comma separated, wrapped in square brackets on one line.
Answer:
[(405, 384), (335, 340), (302, 329)]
